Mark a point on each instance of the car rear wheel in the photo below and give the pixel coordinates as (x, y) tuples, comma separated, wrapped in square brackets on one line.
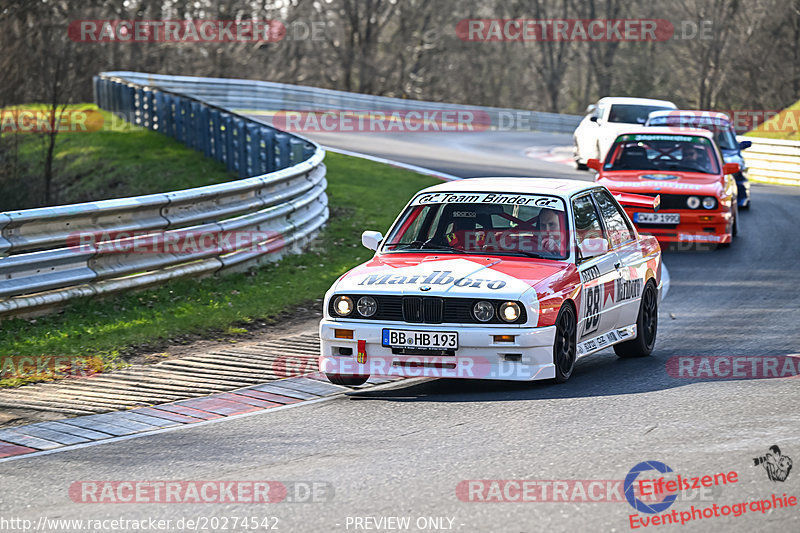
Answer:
[(347, 381), (565, 345), (646, 326)]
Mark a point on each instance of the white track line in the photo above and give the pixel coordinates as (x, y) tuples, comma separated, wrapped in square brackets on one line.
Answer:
[(421, 170)]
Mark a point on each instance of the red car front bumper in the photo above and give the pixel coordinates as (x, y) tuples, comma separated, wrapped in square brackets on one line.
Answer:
[(702, 226)]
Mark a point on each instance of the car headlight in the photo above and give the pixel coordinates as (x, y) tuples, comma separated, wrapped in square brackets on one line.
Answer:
[(343, 305), (509, 311), (367, 306), (483, 311), (709, 202), (693, 202)]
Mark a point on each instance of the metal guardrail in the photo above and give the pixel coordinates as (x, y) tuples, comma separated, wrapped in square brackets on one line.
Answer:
[(271, 96), (54, 254), (773, 161)]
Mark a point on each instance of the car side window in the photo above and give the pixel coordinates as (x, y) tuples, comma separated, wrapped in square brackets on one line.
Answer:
[(587, 221), (616, 223)]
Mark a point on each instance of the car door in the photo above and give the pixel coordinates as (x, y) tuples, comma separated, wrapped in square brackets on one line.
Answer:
[(630, 264), (599, 273)]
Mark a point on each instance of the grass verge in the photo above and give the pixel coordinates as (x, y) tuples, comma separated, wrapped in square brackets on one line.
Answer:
[(116, 161), (362, 195)]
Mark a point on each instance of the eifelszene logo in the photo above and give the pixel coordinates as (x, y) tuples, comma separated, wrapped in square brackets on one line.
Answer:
[(777, 465)]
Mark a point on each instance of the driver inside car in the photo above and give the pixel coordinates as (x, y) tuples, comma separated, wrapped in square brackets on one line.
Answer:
[(551, 237)]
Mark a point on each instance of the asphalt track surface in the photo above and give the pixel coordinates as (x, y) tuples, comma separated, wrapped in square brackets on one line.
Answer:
[(403, 450)]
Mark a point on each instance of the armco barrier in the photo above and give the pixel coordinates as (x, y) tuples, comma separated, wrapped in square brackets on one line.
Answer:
[(271, 96), (280, 202), (773, 161)]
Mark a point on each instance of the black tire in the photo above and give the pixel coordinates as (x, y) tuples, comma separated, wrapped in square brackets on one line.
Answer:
[(646, 326), (565, 345), (580, 166), (347, 381)]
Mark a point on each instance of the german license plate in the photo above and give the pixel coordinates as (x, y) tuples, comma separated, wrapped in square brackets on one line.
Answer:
[(657, 218), (423, 340)]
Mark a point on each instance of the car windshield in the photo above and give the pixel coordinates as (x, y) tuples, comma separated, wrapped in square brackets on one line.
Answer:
[(688, 153), (723, 132), (483, 223), (632, 114)]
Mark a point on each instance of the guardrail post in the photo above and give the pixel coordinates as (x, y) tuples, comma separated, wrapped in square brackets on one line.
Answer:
[(230, 157), (191, 125), (217, 151), (96, 90), (254, 149), (241, 153), (204, 127), (267, 153), (282, 156), (139, 106), (296, 151), (182, 114)]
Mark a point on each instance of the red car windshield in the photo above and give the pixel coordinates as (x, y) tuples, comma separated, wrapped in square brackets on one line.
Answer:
[(478, 227), (687, 153)]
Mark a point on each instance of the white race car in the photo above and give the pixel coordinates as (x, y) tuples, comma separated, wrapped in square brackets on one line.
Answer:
[(605, 120), (496, 278)]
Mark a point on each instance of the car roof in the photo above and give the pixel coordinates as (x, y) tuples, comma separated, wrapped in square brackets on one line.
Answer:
[(690, 114), (666, 130), (635, 101), (563, 188)]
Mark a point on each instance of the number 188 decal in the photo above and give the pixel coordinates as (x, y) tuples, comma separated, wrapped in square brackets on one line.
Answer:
[(591, 309)]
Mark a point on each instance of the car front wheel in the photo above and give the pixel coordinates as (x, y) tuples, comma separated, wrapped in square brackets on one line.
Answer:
[(646, 326), (565, 345)]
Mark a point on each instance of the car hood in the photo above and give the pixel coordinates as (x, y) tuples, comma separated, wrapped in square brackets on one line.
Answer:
[(643, 181), (448, 275)]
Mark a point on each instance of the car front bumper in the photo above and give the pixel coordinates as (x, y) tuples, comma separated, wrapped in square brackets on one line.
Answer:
[(696, 226), (529, 357)]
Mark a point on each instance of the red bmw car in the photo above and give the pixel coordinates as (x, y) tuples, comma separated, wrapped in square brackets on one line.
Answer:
[(698, 191)]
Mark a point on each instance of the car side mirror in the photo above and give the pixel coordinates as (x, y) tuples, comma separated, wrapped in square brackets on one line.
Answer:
[(593, 247), (371, 239), (593, 118), (731, 168), (590, 109), (594, 164), (744, 145)]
